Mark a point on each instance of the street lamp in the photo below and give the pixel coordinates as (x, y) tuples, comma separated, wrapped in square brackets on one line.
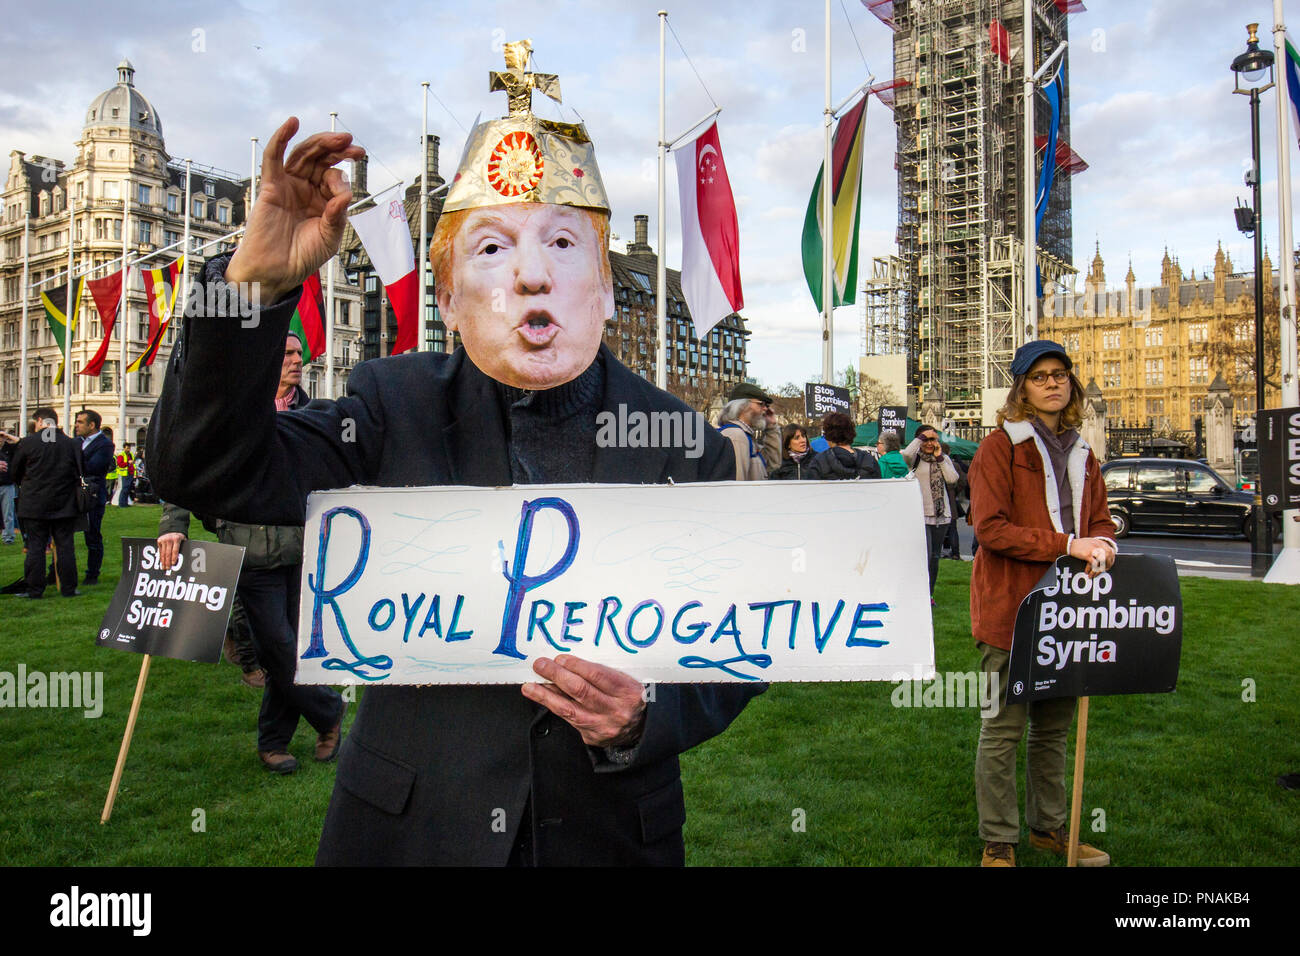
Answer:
[(1253, 74)]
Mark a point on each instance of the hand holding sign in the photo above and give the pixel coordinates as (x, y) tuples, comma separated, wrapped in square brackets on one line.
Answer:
[(1096, 551), (605, 706), (169, 549)]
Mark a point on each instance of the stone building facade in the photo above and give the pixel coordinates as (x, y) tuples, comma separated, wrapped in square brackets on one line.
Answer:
[(120, 160), (1155, 351)]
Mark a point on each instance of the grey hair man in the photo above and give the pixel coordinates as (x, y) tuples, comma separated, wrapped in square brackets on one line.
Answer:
[(749, 423)]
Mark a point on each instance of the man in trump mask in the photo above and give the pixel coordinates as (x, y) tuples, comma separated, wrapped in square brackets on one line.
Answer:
[(577, 768)]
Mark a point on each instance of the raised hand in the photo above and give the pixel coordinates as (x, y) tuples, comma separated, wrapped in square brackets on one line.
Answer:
[(301, 210)]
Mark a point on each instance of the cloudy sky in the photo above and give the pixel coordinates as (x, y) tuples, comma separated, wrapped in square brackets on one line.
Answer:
[(1151, 102)]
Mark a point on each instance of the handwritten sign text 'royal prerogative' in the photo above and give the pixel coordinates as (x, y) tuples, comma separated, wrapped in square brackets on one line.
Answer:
[(770, 581)]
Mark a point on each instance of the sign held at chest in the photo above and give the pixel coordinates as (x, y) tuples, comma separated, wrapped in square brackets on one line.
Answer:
[(788, 581)]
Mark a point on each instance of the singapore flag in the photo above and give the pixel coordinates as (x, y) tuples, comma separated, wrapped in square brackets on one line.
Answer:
[(710, 233)]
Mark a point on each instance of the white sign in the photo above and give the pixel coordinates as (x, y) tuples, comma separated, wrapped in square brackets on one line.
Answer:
[(728, 581)]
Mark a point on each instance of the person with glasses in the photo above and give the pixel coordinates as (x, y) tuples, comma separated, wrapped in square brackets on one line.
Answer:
[(1036, 493), (749, 421), (935, 472)]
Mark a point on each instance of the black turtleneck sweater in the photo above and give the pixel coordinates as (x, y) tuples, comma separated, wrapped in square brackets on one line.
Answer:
[(552, 433)]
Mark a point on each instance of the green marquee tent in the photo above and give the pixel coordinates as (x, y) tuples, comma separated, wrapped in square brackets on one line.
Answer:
[(960, 447)]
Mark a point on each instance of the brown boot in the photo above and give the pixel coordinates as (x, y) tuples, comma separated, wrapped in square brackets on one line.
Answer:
[(999, 854), (327, 744), (255, 678), (1058, 842), (278, 761)]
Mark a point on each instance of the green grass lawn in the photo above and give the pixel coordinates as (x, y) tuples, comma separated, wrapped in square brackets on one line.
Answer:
[(1182, 779)]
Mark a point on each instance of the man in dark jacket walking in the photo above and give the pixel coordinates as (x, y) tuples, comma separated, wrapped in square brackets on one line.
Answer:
[(97, 457), (47, 469)]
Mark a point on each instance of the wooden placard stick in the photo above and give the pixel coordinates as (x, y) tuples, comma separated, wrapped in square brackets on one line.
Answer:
[(1076, 800), (126, 740)]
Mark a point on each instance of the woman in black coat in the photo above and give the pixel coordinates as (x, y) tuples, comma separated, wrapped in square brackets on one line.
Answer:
[(794, 454), (841, 460)]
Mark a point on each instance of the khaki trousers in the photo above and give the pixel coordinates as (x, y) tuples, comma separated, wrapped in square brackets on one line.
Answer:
[(995, 761)]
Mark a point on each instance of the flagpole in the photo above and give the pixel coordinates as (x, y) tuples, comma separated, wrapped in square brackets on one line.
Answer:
[(123, 321), (1288, 563), (1029, 328), (22, 332), (422, 254), (252, 174), (828, 226), (69, 322), (661, 264), (185, 248), (329, 307)]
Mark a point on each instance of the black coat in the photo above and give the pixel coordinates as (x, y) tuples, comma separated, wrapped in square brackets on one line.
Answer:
[(840, 463), (47, 474), (792, 470), (99, 459), (435, 775)]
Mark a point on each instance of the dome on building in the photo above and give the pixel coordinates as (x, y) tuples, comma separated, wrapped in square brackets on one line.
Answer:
[(123, 105)]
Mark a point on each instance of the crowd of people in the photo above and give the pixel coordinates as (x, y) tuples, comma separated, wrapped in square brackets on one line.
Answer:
[(765, 452), (52, 486)]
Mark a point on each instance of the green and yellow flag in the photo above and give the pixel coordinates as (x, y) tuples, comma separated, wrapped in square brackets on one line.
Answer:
[(846, 211), (57, 315)]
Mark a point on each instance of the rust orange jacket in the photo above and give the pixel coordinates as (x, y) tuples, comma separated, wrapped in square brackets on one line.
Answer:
[(1017, 522)]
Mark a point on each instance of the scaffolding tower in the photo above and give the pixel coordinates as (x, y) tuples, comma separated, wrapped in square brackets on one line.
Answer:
[(959, 165), (884, 307)]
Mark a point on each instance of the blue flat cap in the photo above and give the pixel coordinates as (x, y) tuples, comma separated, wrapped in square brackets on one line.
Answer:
[(1031, 352)]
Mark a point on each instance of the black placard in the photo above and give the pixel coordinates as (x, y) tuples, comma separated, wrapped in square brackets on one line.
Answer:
[(820, 400), (1279, 458), (181, 613), (892, 418), (1120, 632)]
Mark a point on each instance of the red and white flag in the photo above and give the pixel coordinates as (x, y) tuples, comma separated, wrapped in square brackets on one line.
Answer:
[(710, 233), (387, 237)]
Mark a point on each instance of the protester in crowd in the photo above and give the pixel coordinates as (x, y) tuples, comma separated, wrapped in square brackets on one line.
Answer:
[(269, 588), (1036, 494), (794, 454), (890, 461), (47, 469), (110, 477), (936, 473), (8, 493), (750, 423), (126, 473), (951, 541), (97, 458), (841, 460), (583, 769)]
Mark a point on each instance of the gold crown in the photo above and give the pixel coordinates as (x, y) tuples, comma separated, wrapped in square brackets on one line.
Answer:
[(522, 158)]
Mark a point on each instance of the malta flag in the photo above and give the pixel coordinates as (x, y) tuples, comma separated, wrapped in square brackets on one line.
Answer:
[(107, 293), (387, 238), (160, 288), (710, 233), (846, 211)]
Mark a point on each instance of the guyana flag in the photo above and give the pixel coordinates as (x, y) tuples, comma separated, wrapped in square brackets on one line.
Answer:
[(57, 312), (160, 288), (308, 321), (846, 211)]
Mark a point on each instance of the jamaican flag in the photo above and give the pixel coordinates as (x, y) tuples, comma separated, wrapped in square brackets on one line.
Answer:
[(59, 316)]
